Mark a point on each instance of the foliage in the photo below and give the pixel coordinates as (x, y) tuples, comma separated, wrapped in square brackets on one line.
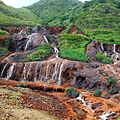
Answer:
[(102, 58), (44, 51), (7, 41), (3, 50), (74, 54), (113, 90), (73, 46), (112, 81), (72, 92), (97, 93), (2, 32), (21, 85)]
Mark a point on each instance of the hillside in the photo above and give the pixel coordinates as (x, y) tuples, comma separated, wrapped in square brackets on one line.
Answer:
[(49, 10), (14, 16)]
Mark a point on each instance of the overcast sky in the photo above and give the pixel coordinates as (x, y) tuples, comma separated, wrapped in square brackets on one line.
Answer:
[(21, 3)]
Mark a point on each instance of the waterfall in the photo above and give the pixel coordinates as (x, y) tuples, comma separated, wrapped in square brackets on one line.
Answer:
[(28, 43), (24, 73), (81, 99), (36, 68), (114, 48), (56, 51), (45, 39), (102, 48), (105, 115), (3, 69), (10, 71), (59, 78), (55, 71), (47, 70)]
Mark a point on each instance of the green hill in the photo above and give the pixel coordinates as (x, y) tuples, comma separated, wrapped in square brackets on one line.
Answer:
[(49, 10), (14, 16)]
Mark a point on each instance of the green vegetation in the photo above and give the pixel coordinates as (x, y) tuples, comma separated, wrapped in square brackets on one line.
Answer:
[(22, 85), (112, 81), (72, 46), (53, 12), (113, 87), (44, 51), (18, 17), (3, 50), (72, 92), (97, 93), (2, 32), (102, 58)]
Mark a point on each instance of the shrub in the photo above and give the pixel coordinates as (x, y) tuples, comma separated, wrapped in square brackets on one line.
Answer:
[(97, 93), (41, 53), (74, 54), (3, 50), (102, 58), (112, 81), (2, 32), (72, 92), (21, 85)]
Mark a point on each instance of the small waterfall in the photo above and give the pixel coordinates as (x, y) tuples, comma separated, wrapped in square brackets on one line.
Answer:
[(3, 69), (21, 32), (45, 39), (55, 71), (59, 78), (36, 68), (105, 115), (10, 71), (24, 73), (102, 48), (114, 48), (47, 71), (56, 51), (28, 43), (79, 98)]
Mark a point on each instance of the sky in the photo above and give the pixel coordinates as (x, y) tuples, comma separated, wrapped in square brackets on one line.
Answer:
[(21, 3)]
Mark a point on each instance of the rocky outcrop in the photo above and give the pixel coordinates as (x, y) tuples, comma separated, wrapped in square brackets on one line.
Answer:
[(92, 49), (46, 30), (22, 42), (63, 72)]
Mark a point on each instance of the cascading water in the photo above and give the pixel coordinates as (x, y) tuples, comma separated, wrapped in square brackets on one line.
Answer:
[(105, 115), (10, 71), (56, 51), (114, 48), (55, 72), (45, 39), (59, 78), (47, 69), (28, 43), (102, 48), (79, 98), (3, 69), (24, 73)]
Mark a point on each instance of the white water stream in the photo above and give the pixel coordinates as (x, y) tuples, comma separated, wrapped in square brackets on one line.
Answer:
[(10, 71), (105, 115), (3, 69), (28, 43)]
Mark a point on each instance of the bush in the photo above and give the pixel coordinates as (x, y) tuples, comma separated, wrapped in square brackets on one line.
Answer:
[(44, 51), (112, 81), (74, 54), (21, 85), (3, 50), (72, 92), (2, 32), (102, 58), (97, 93)]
